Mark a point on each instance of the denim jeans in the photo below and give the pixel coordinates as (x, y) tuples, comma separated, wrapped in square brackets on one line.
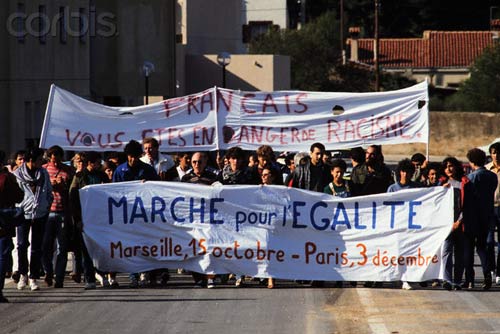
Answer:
[(453, 257), (6, 247), (478, 242), (55, 230), (37, 227), (491, 242), (88, 264)]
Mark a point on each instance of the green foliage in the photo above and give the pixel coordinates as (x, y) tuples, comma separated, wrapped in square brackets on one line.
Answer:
[(316, 63), (481, 92), (313, 50)]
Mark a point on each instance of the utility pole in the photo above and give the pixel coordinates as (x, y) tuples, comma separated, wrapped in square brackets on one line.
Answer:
[(302, 13), (342, 44), (376, 48)]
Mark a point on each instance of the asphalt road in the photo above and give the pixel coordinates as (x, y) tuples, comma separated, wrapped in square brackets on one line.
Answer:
[(289, 308)]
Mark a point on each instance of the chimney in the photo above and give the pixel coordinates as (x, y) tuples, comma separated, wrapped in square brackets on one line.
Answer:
[(354, 33)]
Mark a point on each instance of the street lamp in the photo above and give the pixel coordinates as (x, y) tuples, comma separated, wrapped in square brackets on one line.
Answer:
[(224, 59), (147, 68)]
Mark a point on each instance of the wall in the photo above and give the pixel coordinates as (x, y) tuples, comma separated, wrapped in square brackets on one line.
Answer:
[(453, 133), (245, 72)]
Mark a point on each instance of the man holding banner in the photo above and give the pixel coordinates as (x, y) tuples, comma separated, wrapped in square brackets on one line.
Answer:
[(131, 170)]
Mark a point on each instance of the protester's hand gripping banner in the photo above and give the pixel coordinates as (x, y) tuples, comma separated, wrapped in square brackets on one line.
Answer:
[(222, 118), (267, 231)]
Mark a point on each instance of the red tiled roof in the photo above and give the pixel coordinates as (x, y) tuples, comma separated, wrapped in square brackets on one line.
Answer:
[(436, 49)]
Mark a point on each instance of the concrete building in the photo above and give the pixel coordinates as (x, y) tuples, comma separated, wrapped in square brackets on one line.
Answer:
[(208, 27), (97, 49)]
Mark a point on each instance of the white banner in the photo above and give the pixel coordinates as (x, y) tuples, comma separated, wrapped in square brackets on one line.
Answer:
[(267, 231), (222, 118)]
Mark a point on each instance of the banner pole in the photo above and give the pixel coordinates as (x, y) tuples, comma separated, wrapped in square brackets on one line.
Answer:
[(216, 105)]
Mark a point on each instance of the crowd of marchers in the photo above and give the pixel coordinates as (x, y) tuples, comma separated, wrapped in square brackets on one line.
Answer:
[(44, 187)]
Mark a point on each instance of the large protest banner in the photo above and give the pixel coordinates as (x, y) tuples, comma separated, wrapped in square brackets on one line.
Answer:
[(221, 118), (267, 231)]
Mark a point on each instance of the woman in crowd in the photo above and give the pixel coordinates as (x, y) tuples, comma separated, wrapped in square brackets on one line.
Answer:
[(454, 243)]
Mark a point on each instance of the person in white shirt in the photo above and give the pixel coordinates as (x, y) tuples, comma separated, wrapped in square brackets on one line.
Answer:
[(162, 163)]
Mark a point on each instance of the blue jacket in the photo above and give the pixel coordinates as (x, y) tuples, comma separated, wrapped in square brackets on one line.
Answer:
[(478, 201), (142, 171)]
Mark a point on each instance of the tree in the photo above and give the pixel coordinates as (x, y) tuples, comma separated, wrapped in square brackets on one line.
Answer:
[(316, 63), (481, 92), (313, 50)]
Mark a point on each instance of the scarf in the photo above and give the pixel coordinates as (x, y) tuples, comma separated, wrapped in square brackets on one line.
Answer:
[(33, 181)]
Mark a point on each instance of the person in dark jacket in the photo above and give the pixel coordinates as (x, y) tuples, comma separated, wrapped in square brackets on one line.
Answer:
[(313, 175), (90, 174), (10, 194), (478, 214)]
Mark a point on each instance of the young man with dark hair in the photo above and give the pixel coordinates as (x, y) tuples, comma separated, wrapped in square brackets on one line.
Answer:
[(133, 170), (478, 214), (57, 225), (314, 175), (36, 185), (90, 174)]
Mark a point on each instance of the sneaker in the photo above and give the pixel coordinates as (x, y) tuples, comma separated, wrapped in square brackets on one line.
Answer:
[(467, 285), (90, 286), (239, 282), (105, 283), (447, 286), (143, 280), (210, 283), (457, 287), (435, 284), (164, 278), (33, 285), (487, 283), (180, 271), (406, 286), (113, 283), (76, 277), (200, 284), (15, 276), (99, 278), (58, 285), (22, 283), (48, 281), (133, 283)]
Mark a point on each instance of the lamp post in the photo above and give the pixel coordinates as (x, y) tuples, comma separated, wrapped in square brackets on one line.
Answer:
[(147, 68), (224, 59)]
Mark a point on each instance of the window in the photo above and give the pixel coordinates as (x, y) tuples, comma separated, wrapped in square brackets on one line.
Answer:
[(254, 29), (63, 29), (84, 26), (33, 119), (43, 27), (20, 22)]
